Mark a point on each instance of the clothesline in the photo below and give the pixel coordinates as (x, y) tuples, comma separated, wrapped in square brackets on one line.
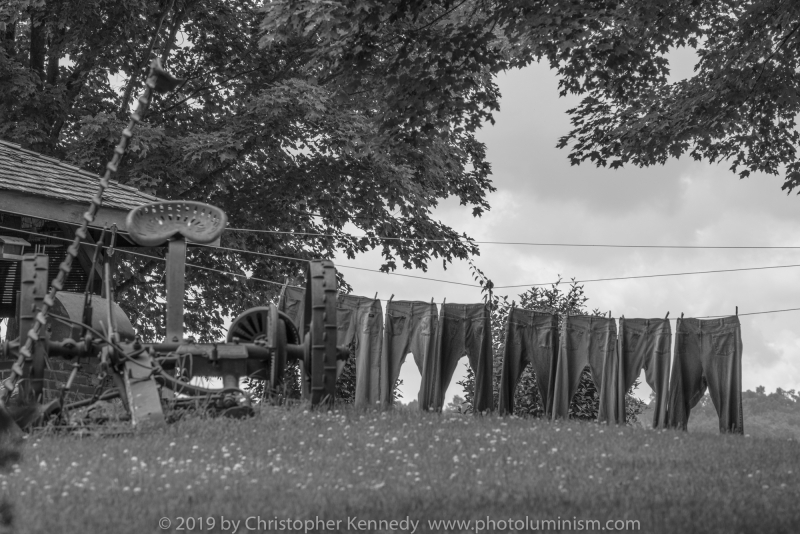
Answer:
[(615, 278), (157, 258), (535, 284), (517, 243), (241, 275), (508, 306)]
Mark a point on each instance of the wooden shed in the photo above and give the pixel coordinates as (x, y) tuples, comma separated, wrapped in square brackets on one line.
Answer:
[(42, 202), (43, 199)]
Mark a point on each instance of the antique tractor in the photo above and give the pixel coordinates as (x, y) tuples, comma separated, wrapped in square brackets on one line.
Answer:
[(260, 343)]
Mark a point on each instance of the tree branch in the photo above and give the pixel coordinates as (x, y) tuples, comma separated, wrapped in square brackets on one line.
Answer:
[(137, 69), (176, 24), (131, 280), (206, 88)]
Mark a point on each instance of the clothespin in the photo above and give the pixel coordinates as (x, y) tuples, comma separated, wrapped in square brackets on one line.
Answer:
[(609, 314), (283, 289), (390, 298), (512, 304), (444, 301), (666, 316), (737, 311), (681, 315), (376, 296), (431, 300)]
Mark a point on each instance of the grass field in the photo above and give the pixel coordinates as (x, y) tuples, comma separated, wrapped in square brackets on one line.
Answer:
[(288, 463)]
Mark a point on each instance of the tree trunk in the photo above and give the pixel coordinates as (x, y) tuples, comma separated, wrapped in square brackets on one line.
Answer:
[(9, 38), (52, 64), (38, 41), (54, 46), (74, 85)]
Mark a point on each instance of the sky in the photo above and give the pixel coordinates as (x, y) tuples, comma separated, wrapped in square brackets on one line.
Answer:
[(541, 198)]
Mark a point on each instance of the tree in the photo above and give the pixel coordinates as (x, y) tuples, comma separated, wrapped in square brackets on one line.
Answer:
[(739, 106), (455, 405), (261, 131), (527, 398)]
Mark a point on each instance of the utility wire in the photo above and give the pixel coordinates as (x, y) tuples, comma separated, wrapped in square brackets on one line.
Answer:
[(467, 241), (385, 300), (253, 252), (522, 243), (123, 251), (741, 269), (339, 266), (659, 275)]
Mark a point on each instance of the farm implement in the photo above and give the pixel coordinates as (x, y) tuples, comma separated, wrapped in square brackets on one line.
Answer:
[(261, 342)]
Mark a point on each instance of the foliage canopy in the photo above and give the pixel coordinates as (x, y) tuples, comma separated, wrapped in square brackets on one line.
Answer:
[(259, 130), (740, 105), (307, 116)]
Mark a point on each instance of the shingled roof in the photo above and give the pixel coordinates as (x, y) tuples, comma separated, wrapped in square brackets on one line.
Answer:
[(29, 172)]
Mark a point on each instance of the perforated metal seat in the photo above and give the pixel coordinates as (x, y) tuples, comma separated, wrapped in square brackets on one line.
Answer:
[(153, 224)]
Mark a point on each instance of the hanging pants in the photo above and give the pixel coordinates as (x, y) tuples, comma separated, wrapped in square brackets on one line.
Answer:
[(642, 343), (531, 338), (708, 355), (293, 305), (359, 321), (463, 329), (410, 327), (585, 340)]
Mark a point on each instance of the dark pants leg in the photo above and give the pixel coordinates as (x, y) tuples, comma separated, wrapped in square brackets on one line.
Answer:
[(463, 329), (368, 354), (410, 327), (396, 338), (293, 305), (359, 321), (642, 343), (687, 384), (708, 355), (531, 337), (585, 340)]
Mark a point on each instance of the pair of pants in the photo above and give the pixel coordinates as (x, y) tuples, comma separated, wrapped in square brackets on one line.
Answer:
[(708, 355), (410, 327), (643, 343), (360, 321), (585, 340), (531, 338), (463, 329), (293, 304)]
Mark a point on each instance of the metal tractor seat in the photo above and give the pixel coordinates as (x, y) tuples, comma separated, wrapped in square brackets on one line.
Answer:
[(153, 224)]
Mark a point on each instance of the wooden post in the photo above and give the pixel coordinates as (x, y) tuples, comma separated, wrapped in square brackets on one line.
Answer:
[(176, 284), (34, 288), (176, 278)]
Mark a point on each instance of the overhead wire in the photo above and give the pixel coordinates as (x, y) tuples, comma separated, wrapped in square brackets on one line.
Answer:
[(340, 266), (440, 280), (126, 251), (240, 275), (470, 241), (519, 243), (657, 275)]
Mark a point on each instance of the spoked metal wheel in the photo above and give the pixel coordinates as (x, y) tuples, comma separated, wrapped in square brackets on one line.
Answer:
[(267, 326), (320, 324)]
